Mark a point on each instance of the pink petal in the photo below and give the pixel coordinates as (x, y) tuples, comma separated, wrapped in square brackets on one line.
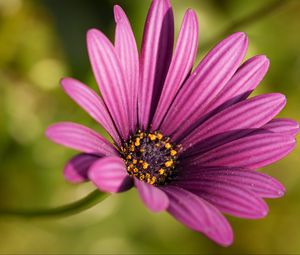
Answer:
[(181, 65), (282, 126), (93, 104), (127, 51), (199, 215), (156, 53), (110, 78), (251, 152), (234, 122), (208, 79), (80, 138), (154, 198), (227, 197), (109, 175), (77, 168), (240, 86), (261, 184)]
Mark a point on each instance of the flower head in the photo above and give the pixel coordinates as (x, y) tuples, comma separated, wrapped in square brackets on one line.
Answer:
[(190, 142)]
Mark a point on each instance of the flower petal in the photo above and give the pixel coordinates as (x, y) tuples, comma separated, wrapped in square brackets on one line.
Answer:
[(282, 126), (76, 170), (251, 152), (208, 79), (109, 175), (110, 78), (240, 86), (156, 53), (227, 197), (234, 122), (88, 100), (127, 51), (154, 198), (199, 215), (181, 65), (261, 184), (80, 138)]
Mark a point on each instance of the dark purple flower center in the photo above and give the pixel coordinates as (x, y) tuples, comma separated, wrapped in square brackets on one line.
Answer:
[(151, 157)]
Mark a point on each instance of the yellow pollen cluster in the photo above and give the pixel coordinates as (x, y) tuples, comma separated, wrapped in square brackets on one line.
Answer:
[(150, 157)]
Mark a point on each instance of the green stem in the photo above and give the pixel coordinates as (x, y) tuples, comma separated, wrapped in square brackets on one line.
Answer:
[(66, 210)]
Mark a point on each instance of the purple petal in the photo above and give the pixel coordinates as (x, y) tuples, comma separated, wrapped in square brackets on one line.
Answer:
[(77, 168), (240, 86), (88, 100), (109, 175), (127, 51), (261, 184), (234, 122), (227, 197), (110, 78), (156, 53), (251, 152), (80, 138), (181, 65), (282, 126), (209, 78), (199, 215), (154, 198)]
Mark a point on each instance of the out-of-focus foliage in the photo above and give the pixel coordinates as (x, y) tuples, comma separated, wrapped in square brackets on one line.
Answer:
[(42, 41)]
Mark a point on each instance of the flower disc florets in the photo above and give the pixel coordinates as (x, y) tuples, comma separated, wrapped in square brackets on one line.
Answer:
[(151, 157)]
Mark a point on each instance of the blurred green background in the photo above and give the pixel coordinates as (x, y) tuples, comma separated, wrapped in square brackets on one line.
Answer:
[(44, 40)]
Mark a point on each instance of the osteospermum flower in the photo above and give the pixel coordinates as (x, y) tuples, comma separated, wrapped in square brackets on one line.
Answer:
[(190, 142)]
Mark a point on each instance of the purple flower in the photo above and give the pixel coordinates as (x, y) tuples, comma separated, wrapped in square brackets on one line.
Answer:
[(190, 142)]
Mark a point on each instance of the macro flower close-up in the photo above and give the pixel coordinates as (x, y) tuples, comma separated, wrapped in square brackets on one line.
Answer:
[(187, 137), (149, 127)]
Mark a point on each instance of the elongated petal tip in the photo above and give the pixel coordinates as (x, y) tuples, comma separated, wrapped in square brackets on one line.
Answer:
[(280, 190), (261, 61), (277, 98), (190, 12), (118, 13), (65, 83), (264, 212), (64, 80), (241, 37), (50, 132), (92, 33)]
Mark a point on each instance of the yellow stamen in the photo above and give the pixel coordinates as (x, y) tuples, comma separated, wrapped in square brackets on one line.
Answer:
[(161, 171), (173, 152), (134, 161), (160, 136), (152, 137), (168, 145), (145, 165), (169, 163), (153, 180), (137, 142)]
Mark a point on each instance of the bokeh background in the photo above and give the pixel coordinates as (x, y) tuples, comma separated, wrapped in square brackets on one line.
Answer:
[(44, 40)]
